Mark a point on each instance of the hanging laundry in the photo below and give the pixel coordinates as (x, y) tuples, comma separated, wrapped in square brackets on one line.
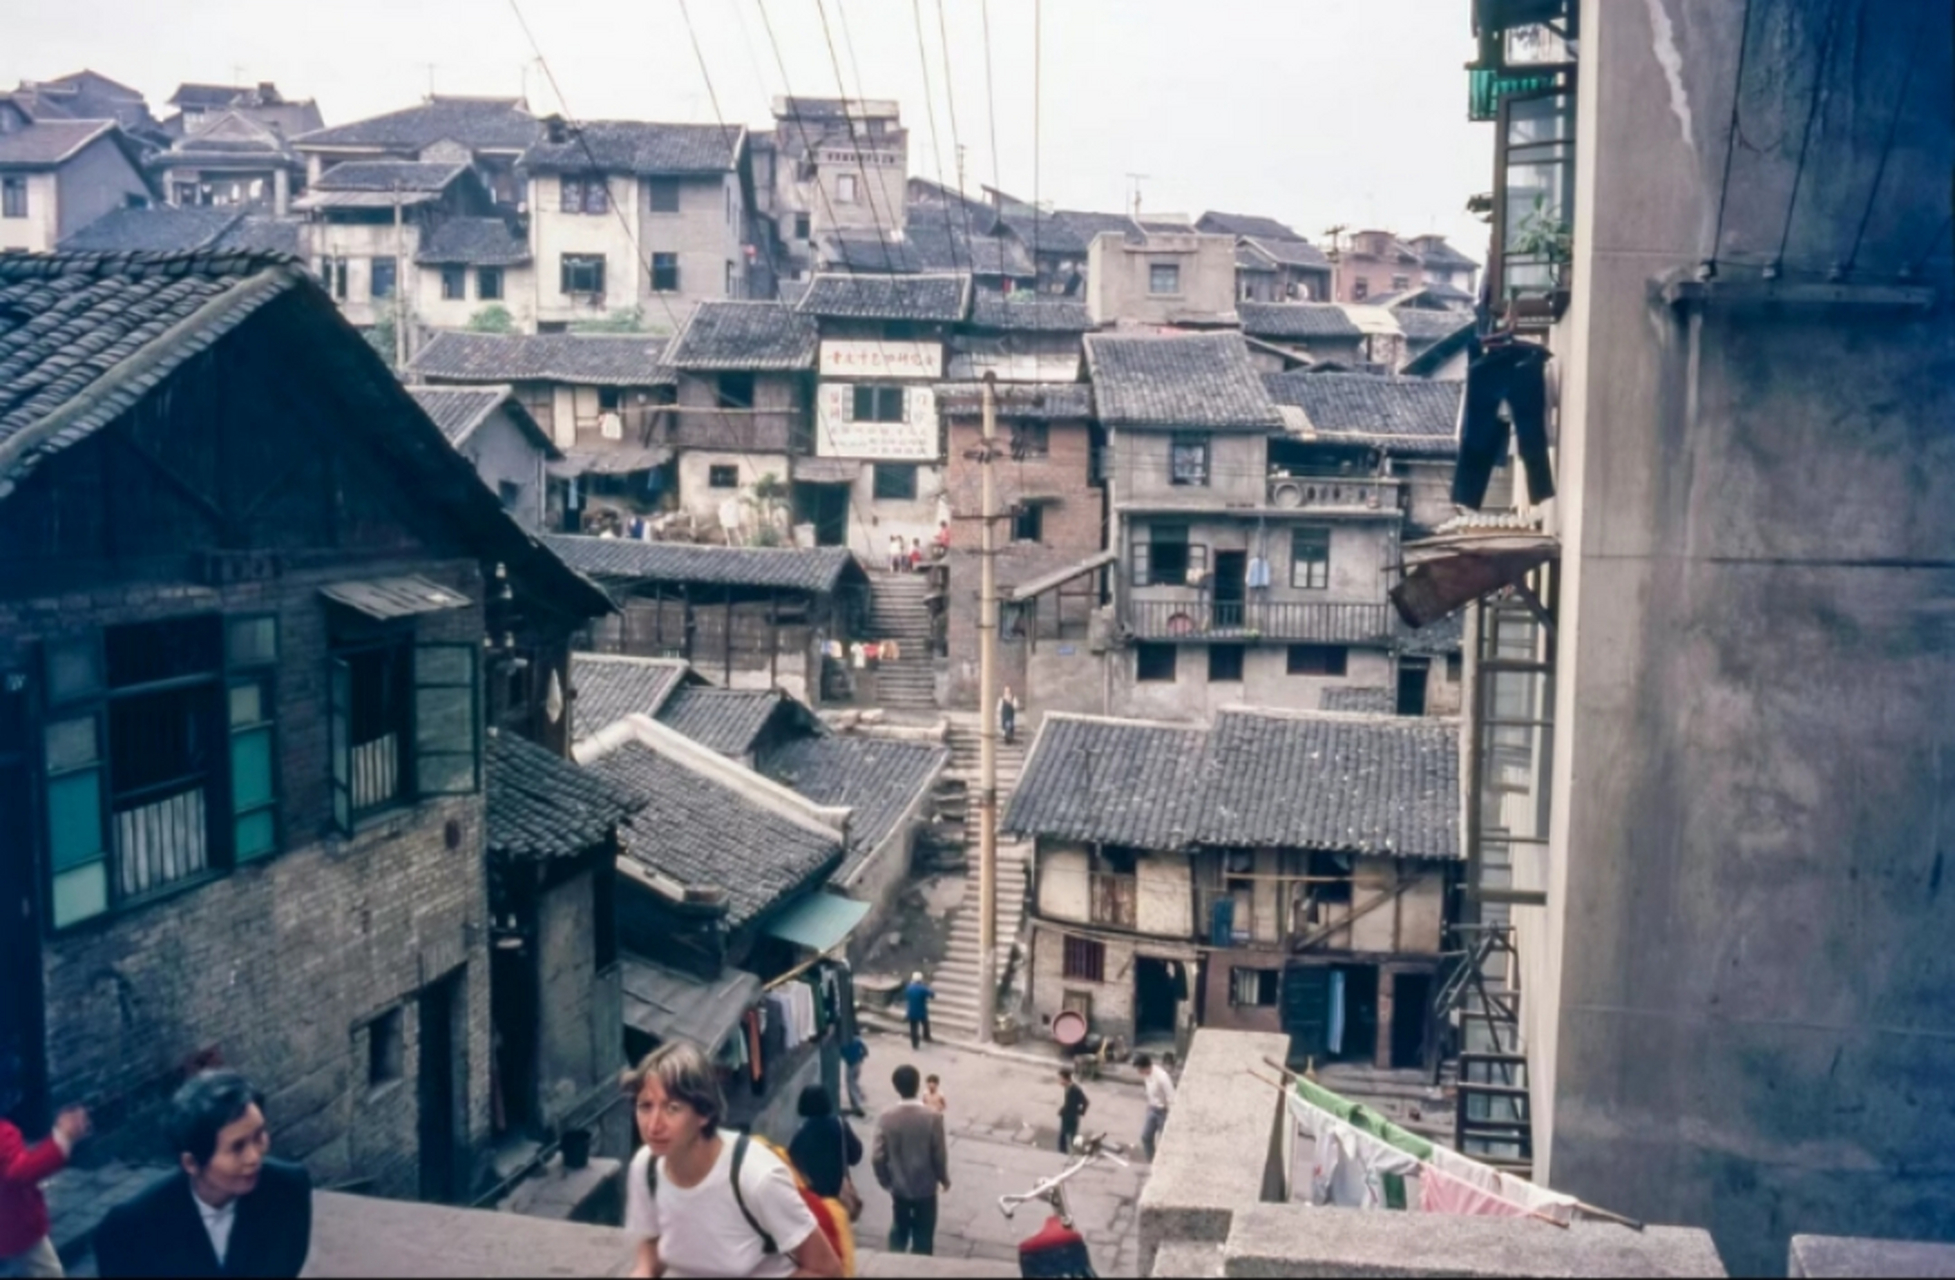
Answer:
[(858, 655), (890, 652), (1258, 573), (1334, 1041), (1440, 1192), (1515, 374), (1505, 1186)]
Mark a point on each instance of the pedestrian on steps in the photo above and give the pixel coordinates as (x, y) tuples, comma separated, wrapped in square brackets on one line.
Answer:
[(1008, 715), (898, 558), (1071, 1110), (916, 555), (25, 1249), (917, 997), (854, 1054), (1160, 1099)]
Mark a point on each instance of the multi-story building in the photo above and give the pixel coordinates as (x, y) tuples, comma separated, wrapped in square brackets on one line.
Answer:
[(1712, 682), (199, 104), (632, 216), (1274, 872), (489, 134), (1444, 265), (1273, 263), (1160, 277), (229, 159), (1252, 559), (831, 165), (1376, 264), (497, 435), (57, 176), (366, 220), (241, 713)]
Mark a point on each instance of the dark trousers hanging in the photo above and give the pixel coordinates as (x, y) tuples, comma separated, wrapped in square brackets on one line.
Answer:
[(1517, 375)]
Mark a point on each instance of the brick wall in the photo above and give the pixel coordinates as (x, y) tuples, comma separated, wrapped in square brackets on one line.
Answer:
[(1113, 999), (280, 966)]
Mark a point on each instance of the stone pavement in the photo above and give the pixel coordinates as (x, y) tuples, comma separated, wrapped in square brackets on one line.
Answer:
[(1003, 1125)]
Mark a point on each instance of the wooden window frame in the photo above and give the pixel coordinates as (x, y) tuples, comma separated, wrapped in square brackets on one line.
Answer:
[(1082, 959), (1315, 570)]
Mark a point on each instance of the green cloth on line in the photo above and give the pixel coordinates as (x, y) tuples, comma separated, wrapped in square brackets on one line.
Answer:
[(1364, 1121)]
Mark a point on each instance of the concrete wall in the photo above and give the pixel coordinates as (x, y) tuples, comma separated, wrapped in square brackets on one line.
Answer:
[(360, 243), (1237, 463), (704, 232), (93, 183), (519, 293), (1112, 1000), (1266, 682), (37, 232), (1118, 273), (697, 495), (503, 453), (553, 234), (577, 1048), (1755, 689)]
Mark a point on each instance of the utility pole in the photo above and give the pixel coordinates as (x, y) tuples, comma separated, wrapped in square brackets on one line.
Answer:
[(987, 738), (400, 284), (1336, 256)]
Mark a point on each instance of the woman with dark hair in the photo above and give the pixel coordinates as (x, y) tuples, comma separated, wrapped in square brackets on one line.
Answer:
[(825, 1148), (25, 1249)]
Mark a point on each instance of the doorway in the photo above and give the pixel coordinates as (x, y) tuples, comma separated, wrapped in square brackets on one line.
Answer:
[(443, 1086), (1230, 571), (1412, 673), (826, 507), (1159, 988), (22, 1030), (1330, 1012), (1411, 993)]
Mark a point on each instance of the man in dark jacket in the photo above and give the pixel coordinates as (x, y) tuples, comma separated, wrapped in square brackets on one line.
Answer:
[(229, 1211), (1070, 1110), (912, 1162)]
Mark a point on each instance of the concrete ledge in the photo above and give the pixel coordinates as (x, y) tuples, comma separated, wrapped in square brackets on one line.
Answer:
[(361, 1236), (874, 1263), (1851, 1256), (1215, 1158), (1299, 1240), (1175, 1258)]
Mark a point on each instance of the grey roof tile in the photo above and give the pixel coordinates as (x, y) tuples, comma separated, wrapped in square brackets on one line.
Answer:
[(255, 234), (878, 778), (642, 147), (868, 253), (593, 359), (1244, 224), (387, 175), (1054, 400), (729, 721), (1024, 311), (1291, 253), (943, 298), (543, 806), (1190, 380), (701, 832), (727, 334), (610, 687), (793, 568), (482, 124), (48, 142), (1376, 702), (1438, 253), (1405, 415), (1119, 781), (1296, 320), (164, 229), (939, 240), (456, 410), (475, 242), (1421, 325), (1045, 234), (1385, 784)]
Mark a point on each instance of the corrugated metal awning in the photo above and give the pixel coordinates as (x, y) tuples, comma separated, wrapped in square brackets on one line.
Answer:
[(1442, 573), (670, 1004), (819, 921), (386, 598)]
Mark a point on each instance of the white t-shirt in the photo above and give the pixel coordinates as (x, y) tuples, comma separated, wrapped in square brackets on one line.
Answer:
[(1160, 1090), (701, 1231)]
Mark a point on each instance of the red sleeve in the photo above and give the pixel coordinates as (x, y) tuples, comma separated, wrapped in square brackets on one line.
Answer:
[(24, 1164)]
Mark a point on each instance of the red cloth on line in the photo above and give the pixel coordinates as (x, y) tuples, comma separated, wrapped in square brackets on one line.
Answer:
[(23, 1210), (1442, 1193)]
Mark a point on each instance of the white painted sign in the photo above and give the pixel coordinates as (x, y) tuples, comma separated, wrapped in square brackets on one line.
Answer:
[(839, 435), (867, 360)]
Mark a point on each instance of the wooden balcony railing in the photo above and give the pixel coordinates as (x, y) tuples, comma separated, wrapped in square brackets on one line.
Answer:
[(1208, 619)]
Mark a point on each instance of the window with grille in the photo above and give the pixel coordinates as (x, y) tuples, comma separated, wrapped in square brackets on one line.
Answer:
[(1310, 559), (1164, 277), (1085, 960), (404, 721), (723, 477)]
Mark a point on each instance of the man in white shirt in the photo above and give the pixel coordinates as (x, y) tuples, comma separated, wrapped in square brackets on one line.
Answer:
[(1160, 1097)]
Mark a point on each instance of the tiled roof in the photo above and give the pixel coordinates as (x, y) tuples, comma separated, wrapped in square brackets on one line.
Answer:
[(639, 147), (1194, 380), (457, 410), (255, 234), (475, 242), (543, 806), (701, 832), (48, 142), (1119, 781), (610, 687), (1429, 326), (206, 95), (728, 721), (1407, 415), (938, 240), (1296, 320), (1437, 253), (1301, 781), (1045, 234), (791, 568), (1055, 400), (67, 321), (163, 229), (727, 334), (1377, 702), (1028, 312), (387, 175), (492, 124), (593, 359), (1244, 224), (1291, 253), (883, 297), (878, 778), (1435, 639), (869, 253)]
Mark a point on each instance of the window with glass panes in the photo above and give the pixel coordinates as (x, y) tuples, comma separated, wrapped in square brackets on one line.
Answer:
[(1534, 169), (1310, 558)]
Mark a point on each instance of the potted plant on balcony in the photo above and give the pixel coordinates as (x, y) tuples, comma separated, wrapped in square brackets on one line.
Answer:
[(1544, 236)]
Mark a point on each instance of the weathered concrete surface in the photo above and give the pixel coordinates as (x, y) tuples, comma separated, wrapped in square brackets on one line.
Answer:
[(1178, 1258), (1215, 1157), (1843, 1256), (1299, 1240), (874, 1263), (358, 1236)]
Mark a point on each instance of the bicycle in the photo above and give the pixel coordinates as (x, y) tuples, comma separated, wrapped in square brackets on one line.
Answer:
[(1056, 1249)]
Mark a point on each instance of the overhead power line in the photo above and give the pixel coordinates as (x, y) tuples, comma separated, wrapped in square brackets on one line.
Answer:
[(930, 112), (1893, 127), (1812, 116)]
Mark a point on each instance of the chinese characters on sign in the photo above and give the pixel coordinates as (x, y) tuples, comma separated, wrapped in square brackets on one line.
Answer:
[(882, 360), (839, 435)]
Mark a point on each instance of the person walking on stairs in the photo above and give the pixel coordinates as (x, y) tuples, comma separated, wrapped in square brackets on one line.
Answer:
[(917, 997)]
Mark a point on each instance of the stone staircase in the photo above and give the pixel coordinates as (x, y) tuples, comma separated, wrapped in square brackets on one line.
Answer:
[(899, 610), (954, 1012)]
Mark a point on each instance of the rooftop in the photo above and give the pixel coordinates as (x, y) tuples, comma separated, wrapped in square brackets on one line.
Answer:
[(590, 359), (161, 229), (878, 779), (49, 142), (1404, 415), (1193, 380), (1120, 781), (1025, 311), (388, 175), (474, 242), (540, 805), (792, 568), (481, 124), (1296, 320), (637, 147), (458, 411), (1290, 253), (940, 239), (925, 297), (610, 687), (1429, 326), (1244, 224), (727, 334), (727, 721)]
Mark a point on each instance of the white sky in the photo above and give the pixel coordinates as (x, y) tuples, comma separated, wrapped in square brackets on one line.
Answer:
[(1316, 112)]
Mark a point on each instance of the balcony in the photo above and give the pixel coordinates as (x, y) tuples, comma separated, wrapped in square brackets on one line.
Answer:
[(1318, 493), (1234, 620)]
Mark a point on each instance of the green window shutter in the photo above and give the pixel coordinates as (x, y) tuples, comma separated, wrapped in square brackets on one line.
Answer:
[(447, 723), (251, 655), (341, 716), (77, 845)]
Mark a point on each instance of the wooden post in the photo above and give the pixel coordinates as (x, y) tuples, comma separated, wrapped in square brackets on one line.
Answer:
[(988, 737), (774, 646)]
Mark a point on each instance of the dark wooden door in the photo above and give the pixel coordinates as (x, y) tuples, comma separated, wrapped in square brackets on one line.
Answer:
[(1231, 568), (443, 1089), (1306, 1011), (21, 1025)]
